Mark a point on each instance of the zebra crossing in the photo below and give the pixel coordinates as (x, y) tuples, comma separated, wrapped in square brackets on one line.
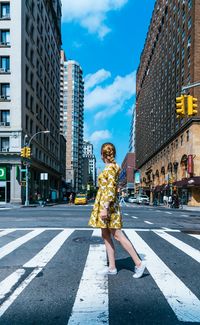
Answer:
[(91, 302)]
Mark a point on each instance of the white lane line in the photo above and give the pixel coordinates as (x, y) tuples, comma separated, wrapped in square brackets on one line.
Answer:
[(125, 214), (7, 249), (7, 284), (6, 232), (183, 302), (5, 209), (168, 229), (195, 236), (187, 249), (158, 211), (91, 303), (168, 212), (133, 217), (50, 249), (149, 223), (184, 215), (48, 252)]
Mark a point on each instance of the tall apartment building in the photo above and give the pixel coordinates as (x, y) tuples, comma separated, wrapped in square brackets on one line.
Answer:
[(89, 175), (132, 134), (167, 148), (72, 122), (30, 41)]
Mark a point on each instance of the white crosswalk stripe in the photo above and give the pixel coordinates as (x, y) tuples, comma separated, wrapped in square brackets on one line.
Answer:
[(90, 308)]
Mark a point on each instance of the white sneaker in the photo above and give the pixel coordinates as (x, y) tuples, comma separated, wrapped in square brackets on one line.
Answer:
[(139, 270), (107, 271)]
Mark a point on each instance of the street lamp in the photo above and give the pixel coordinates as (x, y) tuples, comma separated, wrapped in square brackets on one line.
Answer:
[(27, 176)]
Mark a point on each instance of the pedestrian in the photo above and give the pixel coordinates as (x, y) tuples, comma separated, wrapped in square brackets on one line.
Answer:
[(122, 201), (170, 201), (71, 198), (106, 213), (165, 200)]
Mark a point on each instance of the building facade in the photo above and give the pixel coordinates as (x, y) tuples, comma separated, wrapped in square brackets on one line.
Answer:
[(30, 40), (90, 174), (72, 124), (167, 151), (126, 177)]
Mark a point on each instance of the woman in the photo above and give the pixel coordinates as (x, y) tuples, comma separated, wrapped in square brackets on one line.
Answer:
[(106, 213)]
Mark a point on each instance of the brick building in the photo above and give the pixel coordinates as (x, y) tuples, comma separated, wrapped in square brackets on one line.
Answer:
[(167, 148), (126, 178)]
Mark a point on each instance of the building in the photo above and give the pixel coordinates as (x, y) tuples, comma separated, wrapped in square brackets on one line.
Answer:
[(89, 159), (30, 40), (132, 134), (72, 119), (126, 177), (167, 148)]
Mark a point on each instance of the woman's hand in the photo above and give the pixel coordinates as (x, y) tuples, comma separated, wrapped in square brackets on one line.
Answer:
[(104, 214)]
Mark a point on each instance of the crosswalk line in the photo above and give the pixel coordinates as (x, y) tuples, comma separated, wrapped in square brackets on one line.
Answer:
[(195, 236), (38, 262), (7, 249), (48, 252), (6, 232), (183, 302), (187, 249), (7, 284), (148, 222), (91, 303)]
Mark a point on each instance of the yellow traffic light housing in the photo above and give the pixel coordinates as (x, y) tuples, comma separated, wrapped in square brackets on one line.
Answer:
[(23, 152), (180, 106), (28, 152), (192, 106)]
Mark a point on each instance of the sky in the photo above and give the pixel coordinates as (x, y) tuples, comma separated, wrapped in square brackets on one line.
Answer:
[(107, 37)]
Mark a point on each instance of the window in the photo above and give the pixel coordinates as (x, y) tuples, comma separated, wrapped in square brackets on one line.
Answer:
[(181, 140), (5, 118), (4, 144), (188, 135), (5, 37), (5, 10), (5, 63), (189, 22), (5, 91)]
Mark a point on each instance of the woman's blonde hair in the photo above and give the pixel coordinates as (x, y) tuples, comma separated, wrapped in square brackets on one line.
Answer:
[(108, 152)]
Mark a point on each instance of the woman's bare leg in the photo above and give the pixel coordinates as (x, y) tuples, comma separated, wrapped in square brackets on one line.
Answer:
[(106, 235), (126, 244)]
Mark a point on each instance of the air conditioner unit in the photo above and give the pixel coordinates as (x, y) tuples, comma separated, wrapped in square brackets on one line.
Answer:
[(2, 70), (3, 97)]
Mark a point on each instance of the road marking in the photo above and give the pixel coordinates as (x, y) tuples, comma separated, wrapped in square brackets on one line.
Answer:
[(195, 236), (48, 252), (7, 284), (6, 232), (168, 212), (7, 249), (90, 308), (126, 214), (184, 303), (134, 217), (167, 229), (90, 229), (158, 211), (5, 209), (187, 249), (184, 215), (50, 249), (149, 223)]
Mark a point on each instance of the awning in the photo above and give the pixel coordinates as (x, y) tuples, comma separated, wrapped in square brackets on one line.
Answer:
[(188, 182)]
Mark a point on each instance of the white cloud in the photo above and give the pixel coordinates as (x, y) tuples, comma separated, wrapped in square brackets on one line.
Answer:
[(91, 14), (110, 99), (97, 136), (92, 80)]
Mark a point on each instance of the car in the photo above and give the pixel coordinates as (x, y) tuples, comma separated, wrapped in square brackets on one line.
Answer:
[(132, 199), (143, 199), (80, 199)]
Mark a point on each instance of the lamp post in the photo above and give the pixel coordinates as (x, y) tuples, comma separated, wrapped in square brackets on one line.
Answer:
[(27, 175)]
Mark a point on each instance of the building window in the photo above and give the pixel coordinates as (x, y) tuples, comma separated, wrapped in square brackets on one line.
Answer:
[(5, 10), (189, 22), (4, 37), (4, 144), (188, 135), (5, 91), (5, 118), (181, 140), (5, 64)]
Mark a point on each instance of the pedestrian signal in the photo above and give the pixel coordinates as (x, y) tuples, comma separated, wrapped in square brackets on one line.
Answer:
[(180, 106), (192, 105)]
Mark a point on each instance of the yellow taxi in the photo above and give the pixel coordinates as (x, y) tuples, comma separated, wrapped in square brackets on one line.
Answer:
[(80, 199)]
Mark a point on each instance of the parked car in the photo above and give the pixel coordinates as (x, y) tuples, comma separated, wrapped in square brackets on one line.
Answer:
[(132, 199), (80, 199), (143, 199)]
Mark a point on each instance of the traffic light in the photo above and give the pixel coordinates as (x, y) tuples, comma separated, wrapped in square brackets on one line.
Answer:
[(28, 152), (23, 152), (192, 105), (180, 106)]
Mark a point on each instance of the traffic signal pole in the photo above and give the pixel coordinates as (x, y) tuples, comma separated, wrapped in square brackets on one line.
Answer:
[(27, 186), (195, 84)]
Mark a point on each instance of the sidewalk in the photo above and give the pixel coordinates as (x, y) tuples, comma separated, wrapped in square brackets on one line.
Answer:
[(185, 208)]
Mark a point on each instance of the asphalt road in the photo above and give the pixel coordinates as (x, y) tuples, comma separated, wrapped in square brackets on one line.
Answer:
[(49, 258)]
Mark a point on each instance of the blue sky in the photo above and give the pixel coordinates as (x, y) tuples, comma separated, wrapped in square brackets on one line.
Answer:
[(107, 37)]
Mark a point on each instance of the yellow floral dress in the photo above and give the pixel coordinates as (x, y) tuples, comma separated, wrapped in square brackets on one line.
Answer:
[(107, 193)]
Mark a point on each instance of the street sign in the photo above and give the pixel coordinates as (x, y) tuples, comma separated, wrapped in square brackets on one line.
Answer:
[(2, 173), (43, 176)]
